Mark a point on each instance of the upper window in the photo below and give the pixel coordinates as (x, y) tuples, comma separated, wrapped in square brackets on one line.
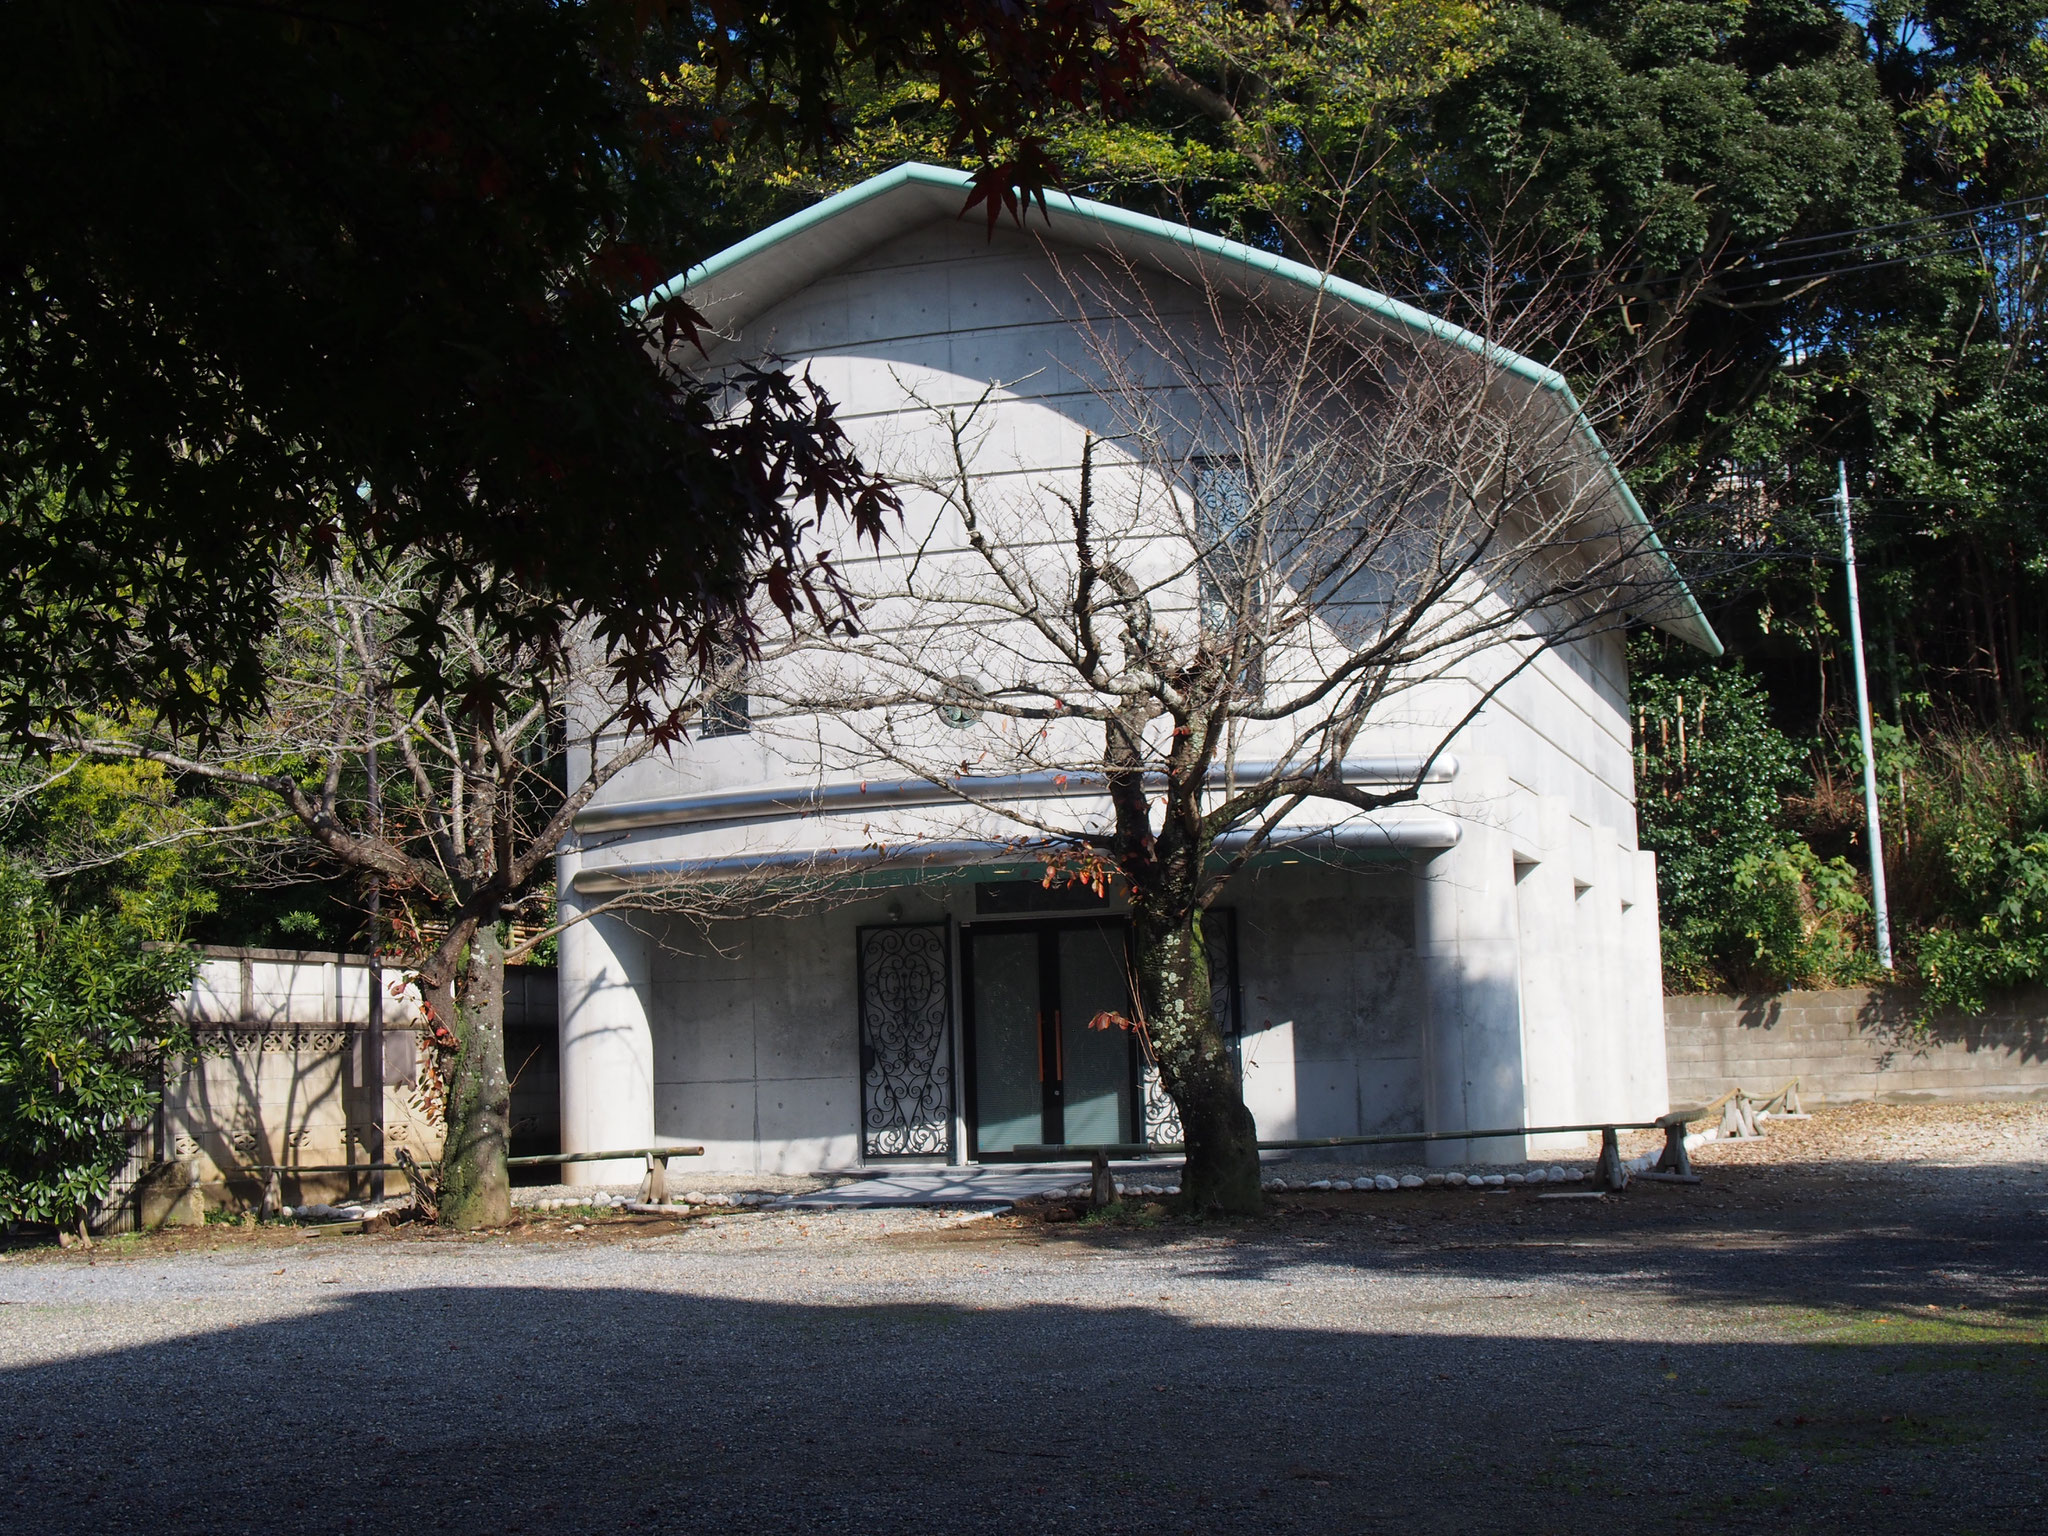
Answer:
[(1223, 535), (727, 711), (1226, 535)]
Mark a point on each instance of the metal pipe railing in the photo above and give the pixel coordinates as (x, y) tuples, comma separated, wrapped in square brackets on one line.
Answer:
[(536, 1160), (600, 1157), (1069, 1149)]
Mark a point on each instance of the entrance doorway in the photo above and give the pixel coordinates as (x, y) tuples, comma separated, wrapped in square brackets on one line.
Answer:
[(1036, 1072)]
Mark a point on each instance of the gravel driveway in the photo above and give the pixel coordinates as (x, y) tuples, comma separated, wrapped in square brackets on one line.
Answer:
[(1855, 1339)]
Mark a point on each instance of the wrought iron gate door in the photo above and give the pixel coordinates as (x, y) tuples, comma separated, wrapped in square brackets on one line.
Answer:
[(1219, 928), (906, 1041)]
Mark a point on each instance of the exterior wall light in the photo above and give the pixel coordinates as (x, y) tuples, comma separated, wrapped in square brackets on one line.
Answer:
[(958, 711)]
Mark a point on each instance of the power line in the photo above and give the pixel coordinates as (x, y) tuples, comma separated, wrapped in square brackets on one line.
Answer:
[(1842, 244), (1928, 218), (1752, 271)]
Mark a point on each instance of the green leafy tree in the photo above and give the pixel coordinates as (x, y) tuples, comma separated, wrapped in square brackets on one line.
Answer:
[(2008, 944), (477, 789), (1279, 122), (1969, 852), (1790, 921), (175, 858), (1744, 902), (85, 1024)]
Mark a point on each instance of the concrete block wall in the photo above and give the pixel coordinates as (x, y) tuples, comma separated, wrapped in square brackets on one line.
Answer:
[(293, 1094), (1854, 1045), (755, 1031), (278, 1074)]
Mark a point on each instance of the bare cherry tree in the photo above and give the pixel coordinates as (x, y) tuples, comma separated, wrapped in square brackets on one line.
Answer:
[(452, 804), (1282, 519)]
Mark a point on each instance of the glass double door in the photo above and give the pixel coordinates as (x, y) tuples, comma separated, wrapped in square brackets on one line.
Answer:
[(1037, 1072)]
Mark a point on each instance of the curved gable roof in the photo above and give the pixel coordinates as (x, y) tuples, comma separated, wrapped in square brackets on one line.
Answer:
[(748, 278)]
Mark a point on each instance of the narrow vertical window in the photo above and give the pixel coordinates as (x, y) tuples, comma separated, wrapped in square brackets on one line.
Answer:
[(1225, 542), (727, 710), (1223, 536)]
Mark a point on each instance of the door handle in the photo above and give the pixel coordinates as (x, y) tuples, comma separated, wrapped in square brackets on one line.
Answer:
[(1059, 1049), (1040, 1017)]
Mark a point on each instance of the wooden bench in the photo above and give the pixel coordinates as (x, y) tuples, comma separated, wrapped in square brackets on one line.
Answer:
[(1673, 1163)]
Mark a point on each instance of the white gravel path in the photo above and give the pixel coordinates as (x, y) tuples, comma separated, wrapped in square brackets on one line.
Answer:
[(1427, 1361)]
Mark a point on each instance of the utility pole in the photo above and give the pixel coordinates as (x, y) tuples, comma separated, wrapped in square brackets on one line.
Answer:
[(1877, 896), (374, 1032)]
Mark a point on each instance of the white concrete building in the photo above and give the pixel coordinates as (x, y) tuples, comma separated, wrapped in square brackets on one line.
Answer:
[(1487, 958)]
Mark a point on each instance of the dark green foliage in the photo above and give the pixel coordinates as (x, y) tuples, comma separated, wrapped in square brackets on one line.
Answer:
[(1684, 128), (85, 1023), (1969, 850), (278, 281), (133, 840), (2008, 944), (1744, 902), (1737, 816)]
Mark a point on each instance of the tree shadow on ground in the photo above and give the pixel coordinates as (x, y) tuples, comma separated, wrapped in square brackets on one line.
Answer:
[(1790, 1237), (496, 1408)]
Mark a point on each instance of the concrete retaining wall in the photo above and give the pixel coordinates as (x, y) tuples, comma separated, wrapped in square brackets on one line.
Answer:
[(278, 1073), (1854, 1045)]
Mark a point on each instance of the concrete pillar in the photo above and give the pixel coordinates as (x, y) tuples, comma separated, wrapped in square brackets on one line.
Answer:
[(607, 1059), (1649, 1084), (1551, 985), (1602, 969), (1465, 937)]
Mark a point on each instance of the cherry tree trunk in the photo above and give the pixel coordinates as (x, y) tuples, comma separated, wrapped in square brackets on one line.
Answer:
[(476, 1186), (1196, 1064)]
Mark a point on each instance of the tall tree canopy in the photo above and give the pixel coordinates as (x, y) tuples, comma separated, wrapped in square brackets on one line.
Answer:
[(1833, 213), (1823, 205)]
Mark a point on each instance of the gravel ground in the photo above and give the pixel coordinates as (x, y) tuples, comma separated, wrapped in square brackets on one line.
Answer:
[(1842, 1327)]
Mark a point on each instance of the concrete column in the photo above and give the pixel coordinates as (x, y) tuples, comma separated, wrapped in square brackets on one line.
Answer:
[(1465, 936), (1544, 901), (1603, 1068), (607, 1059), (1649, 1085)]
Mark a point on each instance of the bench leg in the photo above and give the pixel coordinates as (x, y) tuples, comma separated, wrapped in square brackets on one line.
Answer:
[(1101, 1187), (1611, 1174), (654, 1188), (1675, 1159)]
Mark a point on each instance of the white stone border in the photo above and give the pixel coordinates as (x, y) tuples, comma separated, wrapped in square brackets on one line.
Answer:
[(1382, 1183), (694, 1199), (1385, 1183)]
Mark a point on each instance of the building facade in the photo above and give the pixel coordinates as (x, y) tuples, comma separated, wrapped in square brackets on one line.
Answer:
[(1483, 958)]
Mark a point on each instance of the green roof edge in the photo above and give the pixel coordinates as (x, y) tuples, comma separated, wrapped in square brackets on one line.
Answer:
[(1283, 267)]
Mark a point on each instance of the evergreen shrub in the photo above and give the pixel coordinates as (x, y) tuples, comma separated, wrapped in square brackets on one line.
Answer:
[(1746, 904), (85, 1026)]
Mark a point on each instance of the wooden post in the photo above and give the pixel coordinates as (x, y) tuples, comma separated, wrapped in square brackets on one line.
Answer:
[(654, 1188), (1675, 1158), (1101, 1187)]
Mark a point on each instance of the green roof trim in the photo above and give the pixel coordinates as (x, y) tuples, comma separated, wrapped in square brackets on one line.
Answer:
[(912, 173)]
